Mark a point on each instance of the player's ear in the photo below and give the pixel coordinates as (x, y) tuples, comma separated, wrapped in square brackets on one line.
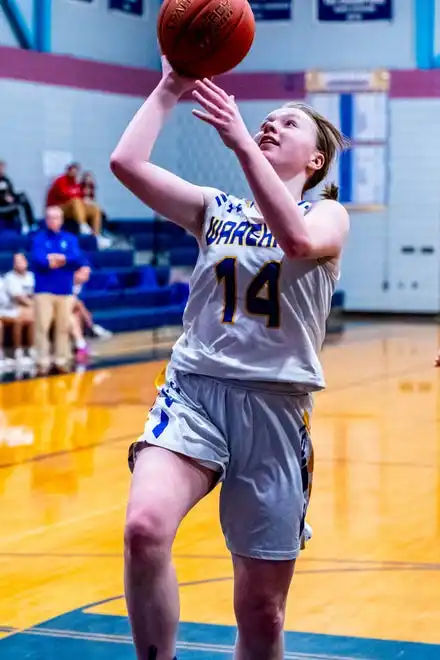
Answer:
[(317, 161)]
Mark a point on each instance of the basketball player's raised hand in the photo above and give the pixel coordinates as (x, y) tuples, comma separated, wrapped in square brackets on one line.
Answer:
[(222, 113), (177, 84)]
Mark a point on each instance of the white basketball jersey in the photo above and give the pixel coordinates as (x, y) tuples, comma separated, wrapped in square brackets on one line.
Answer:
[(253, 314)]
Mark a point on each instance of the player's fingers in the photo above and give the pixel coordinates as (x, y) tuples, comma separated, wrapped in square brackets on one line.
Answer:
[(212, 95), (208, 105), (209, 119), (216, 88)]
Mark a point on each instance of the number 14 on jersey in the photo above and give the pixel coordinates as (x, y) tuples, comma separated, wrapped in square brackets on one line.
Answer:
[(257, 302)]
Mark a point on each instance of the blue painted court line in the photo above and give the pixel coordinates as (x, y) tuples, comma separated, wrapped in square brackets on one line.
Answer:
[(97, 636)]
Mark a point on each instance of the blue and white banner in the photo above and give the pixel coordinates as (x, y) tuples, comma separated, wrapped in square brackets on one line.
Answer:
[(361, 171), (355, 10), (271, 10), (133, 7)]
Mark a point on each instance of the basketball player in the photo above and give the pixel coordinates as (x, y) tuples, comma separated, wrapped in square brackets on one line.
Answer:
[(236, 403)]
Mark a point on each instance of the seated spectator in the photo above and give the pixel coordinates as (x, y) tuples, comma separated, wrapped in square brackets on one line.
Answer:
[(82, 320), (55, 256), (88, 187), (15, 208), (88, 192), (65, 192), (6, 313), (19, 287), (79, 315)]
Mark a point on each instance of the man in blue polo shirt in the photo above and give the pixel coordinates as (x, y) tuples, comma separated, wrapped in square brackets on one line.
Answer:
[(55, 256)]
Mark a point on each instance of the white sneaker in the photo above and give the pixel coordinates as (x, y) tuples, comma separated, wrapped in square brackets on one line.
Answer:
[(7, 365), (21, 359), (85, 229), (101, 332), (103, 242)]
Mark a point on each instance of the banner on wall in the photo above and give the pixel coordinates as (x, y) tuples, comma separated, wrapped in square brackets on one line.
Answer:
[(272, 10), (133, 7), (355, 10), (358, 104)]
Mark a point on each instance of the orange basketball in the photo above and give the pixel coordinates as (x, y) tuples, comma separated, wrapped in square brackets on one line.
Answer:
[(205, 37)]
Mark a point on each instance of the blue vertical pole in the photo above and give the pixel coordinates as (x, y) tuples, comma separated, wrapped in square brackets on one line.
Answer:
[(43, 25), (346, 161), (17, 23), (424, 21)]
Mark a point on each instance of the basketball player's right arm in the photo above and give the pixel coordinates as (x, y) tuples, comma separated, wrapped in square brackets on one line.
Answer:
[(167, 194)]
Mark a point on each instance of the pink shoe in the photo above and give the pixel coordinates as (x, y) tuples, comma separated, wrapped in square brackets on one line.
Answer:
[(82, 354)]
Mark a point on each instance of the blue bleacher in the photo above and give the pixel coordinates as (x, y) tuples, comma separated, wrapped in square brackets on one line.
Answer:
[(159, 235), (126, 298), (11, 241), (121, 295)]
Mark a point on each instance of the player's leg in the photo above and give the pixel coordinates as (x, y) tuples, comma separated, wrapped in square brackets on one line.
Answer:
[(164, 488), (260, 592), (263, 505), (179, 458)]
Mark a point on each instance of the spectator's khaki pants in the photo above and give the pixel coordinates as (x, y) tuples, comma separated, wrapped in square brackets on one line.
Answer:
[(49, 308), (84, 212)]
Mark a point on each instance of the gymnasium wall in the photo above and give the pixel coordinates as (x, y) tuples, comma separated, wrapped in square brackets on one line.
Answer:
[(61, 124), (305, 43), (90, 30), (7, 36), (391, 261)]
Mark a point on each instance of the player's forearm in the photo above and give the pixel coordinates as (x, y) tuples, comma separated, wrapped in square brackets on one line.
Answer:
[(138, 139), (278, 207)]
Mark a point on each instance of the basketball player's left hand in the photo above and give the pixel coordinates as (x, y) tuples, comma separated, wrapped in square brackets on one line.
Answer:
[(222, 113)]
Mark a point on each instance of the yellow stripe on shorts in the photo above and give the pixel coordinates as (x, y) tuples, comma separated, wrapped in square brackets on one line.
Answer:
[(159, 381)]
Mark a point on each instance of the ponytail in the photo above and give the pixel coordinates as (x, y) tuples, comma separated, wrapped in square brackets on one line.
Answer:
[(330, 191)]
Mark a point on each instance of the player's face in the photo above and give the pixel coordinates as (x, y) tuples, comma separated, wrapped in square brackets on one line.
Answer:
[(287, 138)]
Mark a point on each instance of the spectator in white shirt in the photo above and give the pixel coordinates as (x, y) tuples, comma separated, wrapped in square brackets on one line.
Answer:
[(6, 315), (19, 287)]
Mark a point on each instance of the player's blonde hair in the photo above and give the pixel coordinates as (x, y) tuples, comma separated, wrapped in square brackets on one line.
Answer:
[(329, 140)]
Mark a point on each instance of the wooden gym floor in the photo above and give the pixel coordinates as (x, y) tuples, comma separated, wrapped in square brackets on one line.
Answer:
[(367, 585)]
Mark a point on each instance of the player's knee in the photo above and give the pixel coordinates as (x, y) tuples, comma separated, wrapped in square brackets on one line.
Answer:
[(260, 619), (146, 537)]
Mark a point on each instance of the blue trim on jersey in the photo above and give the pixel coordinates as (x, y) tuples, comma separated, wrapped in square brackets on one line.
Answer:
[(221, 199), (305, 205), (346, 159)]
